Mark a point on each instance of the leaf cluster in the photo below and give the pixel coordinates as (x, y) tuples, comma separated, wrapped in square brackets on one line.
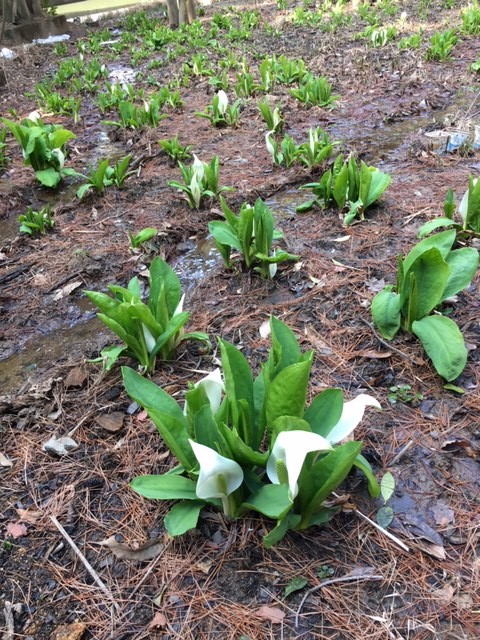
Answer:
[(252, 234), (243, 427), (149, 330), (352, 186), (430, 274)]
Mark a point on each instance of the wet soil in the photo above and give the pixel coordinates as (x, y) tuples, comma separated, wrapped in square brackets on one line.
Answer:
[(213, 582)]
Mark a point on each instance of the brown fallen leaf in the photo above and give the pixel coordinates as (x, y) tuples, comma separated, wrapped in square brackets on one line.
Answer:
[(371, 353), (73, 631), (76, 377), (273, 614), (29, 515), (147, 551), (111, 422), (158, 621), (67, 290), (445, 593), (16, 529), (5, 462)]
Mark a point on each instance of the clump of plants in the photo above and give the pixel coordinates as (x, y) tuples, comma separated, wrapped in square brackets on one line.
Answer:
[(44, 148), (469, 212), (251, 233), (312, 154), (149, 330), (428, 276), (200, 181), (105, 175), (441, 45), (351, 186), (220, 112), (248, 443), (36, 222)]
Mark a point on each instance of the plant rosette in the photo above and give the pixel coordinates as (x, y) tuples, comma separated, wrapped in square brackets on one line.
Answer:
[(248, 443)]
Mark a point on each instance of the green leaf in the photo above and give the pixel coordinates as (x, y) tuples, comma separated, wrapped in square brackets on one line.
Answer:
[(48, 177), (425, 280), (325, 411), (83, 190), (362, 463), (444, 344), (387, 486), (379, 183), (385, 516), (223, 233), (433, 225), (295, 584), (463, 264), (284, 345), (149, 395), (272, 500), (442, 241), (453, 387), (306, 206), (165, 487), (163, 276), (290, 521), (238, 386), (386, 307), (340, 190), (324, 477), (242, 453), (205, 428), (182, 517), (286, 394)]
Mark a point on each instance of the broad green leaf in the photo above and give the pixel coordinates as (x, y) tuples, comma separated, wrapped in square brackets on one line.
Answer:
[(385, 516), (325, 476), (325, 411), (295, 584), (222, 233), (238, 381), (182, 517), (290, 521), (242, 453), (174, 326), (472, 216), (105, 303), (272, 500), (83, 190), (284, 344), (165, 487), (205, 428), (340, 189), (379, 183), (286, 394), (366, 176), (162, 275), (426, 280), (463, 264), (48, 177), (362, 463), (433, 225), (386, 312), (444, 344), (150, 396), (442, 241), (245, 233), (453, 387), (306, 206), (387, 486)]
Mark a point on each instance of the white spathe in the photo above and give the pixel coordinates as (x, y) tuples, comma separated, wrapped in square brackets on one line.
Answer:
[(352, 415), (291, 448), (219, 476), (214, 388), (222, 102), (198, 168)]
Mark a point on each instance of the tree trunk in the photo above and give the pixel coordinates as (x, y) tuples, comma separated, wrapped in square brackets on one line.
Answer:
[(21, 11), (180, 11)]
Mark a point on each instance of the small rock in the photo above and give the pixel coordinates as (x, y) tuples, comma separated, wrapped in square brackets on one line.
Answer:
[(74, 631), (59, 446)]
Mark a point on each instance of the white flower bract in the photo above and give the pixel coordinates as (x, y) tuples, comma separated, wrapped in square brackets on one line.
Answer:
[(219, 476)]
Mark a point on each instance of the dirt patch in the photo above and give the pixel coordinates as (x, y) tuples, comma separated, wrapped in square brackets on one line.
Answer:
[(212, 583)]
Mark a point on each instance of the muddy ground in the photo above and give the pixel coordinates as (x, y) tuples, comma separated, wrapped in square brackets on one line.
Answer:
[(214, 582)]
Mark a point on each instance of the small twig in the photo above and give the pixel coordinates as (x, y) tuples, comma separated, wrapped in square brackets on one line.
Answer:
[(9, 622), (84, 561), (387, 344), (326, 583), (393, 538), (400, 453)]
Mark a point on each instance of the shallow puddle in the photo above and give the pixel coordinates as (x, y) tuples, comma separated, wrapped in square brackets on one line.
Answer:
[(42, 352), (198, 262)]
